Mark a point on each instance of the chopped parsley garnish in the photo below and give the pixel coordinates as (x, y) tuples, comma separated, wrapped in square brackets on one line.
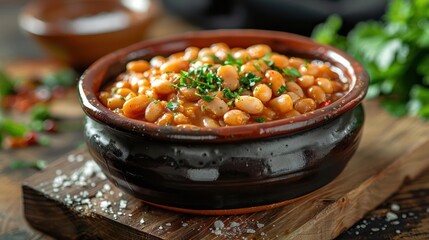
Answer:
[(260, 120), (230, 60), (250, 79), (206, 98), (293, 72), (229, 94), (172, 106), (268, 55), (215, 58), (204, 79), (306, 63), (281, 90), (257, 67), (271, 64)]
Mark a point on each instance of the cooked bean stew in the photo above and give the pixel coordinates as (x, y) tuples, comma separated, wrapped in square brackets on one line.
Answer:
[(218, 86)]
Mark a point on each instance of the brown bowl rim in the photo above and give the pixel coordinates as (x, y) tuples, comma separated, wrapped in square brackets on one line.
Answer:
[(54, 29), (97, 111)]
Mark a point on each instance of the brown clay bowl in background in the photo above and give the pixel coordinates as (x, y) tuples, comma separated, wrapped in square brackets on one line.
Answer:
[(78, 32), (226, 170)]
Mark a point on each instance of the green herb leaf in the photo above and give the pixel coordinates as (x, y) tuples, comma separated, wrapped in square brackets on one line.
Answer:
[(172, 106), (281, 90), (293, 72), (63, 78), (396, 108), (271, 64), (206, 98), (40, 112), (215, 58), (257, 67), (230, 60), (12, 128), (37, 125), (327, 33), (250, 79), (44, 140), (6, 84), (203, 78), (260, 120), (18, 164), (228, 94), (394, 51)]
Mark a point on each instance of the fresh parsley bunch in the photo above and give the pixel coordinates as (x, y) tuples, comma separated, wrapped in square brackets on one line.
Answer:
[(394, 51)]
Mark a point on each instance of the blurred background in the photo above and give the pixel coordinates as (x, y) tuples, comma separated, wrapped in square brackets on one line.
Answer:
[(177, 16)]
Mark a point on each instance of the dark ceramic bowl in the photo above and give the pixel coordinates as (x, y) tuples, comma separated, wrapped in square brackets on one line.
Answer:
[(225, 170), (78, 32)]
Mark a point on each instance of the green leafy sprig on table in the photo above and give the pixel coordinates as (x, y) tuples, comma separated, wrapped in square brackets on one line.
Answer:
[(394, 51), (19, 164), (39, 112)]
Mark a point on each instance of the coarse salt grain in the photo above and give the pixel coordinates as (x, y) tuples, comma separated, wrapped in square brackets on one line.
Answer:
[(234, 224), (395, 207), (390, 216), (99, 194), (79, 158), (105, 204), (249, 230), (58, 181), (122, 204), (168, 224), (375, 229), (184, 224), (141, 221), (106, 187), (260, 225), (71, 158), (217, 232), (218, 224)]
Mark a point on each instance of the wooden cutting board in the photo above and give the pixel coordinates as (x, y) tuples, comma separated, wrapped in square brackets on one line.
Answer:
[(392, 151)]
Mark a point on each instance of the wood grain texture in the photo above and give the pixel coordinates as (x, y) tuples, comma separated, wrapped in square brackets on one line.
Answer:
[(413, 215), (391, 152)]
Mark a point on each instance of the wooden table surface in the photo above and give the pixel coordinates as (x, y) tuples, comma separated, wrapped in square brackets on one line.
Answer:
[(412, 199)]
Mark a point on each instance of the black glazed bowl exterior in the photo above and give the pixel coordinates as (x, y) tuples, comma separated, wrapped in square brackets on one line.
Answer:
[(225, 170)]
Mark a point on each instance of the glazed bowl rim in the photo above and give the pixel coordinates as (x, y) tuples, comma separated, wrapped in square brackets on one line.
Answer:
[(94, 109), (33, 25)]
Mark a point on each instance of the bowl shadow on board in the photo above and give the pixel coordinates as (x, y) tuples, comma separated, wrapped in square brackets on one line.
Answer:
[(229, 170)]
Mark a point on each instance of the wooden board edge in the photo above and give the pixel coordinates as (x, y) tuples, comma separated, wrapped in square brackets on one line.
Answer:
[(365, 197), (64, 223)]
